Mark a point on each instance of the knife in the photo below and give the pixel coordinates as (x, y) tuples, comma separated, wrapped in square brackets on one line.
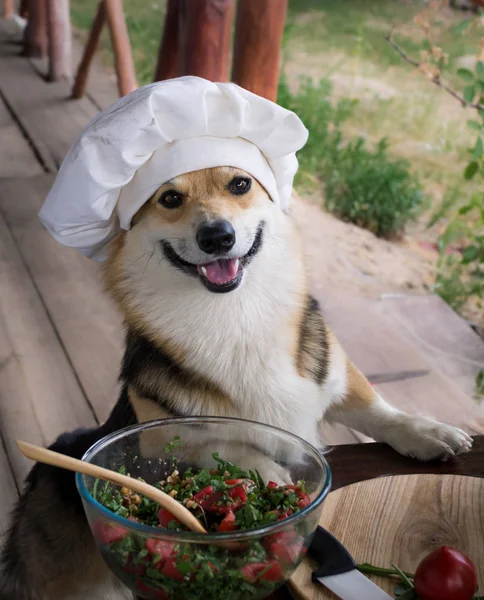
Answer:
[(398, 376), (337, 570)]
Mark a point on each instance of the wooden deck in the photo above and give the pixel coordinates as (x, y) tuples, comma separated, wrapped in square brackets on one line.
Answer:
[(61, 338)]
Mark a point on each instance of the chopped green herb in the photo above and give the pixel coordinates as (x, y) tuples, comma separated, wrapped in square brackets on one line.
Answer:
[(224, 498)]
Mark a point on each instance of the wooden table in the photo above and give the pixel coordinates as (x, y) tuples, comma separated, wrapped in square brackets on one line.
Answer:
[(357, 462)]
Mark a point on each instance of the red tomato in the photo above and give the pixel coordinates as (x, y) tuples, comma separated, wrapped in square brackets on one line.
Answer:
[(228, 522), (446, 574), (282, 537), (286, 553), (211, 501), (170, 569), (269, 571), (238, 496), (243, 482), (285, 546), (133, 569), (285, 514), (304, 499), (272, 485), (161, 548), (161, 594), (165, 517), (108, 533), (204, 494)]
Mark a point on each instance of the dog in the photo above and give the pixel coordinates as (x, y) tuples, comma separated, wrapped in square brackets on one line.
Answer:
[(212, 286)]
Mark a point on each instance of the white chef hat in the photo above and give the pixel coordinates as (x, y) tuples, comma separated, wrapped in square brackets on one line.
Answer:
[(158, 132)]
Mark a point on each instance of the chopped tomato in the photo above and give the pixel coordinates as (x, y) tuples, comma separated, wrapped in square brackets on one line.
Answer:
[(228, 522), (289, 536), (285, 546), (287, 554), (242, 482), (212, 567), (165, 517), (211, 501), (170, 570), (108, 533), (269, 571), (272, 485), (304, 499), (285, 514), (157, 593), (238, 496), (133, 569), (162, 548)]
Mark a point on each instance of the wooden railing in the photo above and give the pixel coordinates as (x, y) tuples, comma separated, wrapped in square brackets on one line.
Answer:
[(196, 40)]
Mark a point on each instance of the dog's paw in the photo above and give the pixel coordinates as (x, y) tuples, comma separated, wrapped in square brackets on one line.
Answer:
[(426, 439), (268, 469)]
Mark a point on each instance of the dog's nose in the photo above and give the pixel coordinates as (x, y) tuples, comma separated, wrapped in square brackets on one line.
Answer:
[(216, 237)]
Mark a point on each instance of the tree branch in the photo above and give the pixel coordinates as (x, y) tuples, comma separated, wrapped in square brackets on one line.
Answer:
[(435, 80)]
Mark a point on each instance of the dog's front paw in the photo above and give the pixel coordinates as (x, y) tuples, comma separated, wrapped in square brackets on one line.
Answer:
[(426, 439)]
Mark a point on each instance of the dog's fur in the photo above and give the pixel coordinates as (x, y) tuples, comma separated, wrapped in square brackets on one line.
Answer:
[(261, 352)]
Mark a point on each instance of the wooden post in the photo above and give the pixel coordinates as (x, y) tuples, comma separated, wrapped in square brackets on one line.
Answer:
[(167, 65), (8, 9), (226, 53), (59, 39), (258, 37), (123, 58), (35, 36), (24, 9), (203, 35), (80, 81)]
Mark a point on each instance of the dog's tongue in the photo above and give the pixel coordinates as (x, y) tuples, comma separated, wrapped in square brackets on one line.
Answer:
[(220, 271)]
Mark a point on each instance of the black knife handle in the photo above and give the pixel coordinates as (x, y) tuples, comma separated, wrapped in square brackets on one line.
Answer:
[(330, 554)]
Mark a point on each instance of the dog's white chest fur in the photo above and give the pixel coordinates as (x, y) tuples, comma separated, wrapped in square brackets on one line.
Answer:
[(243, 342)]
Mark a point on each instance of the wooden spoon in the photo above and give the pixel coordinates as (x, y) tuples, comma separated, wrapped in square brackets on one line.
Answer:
[(49, 457)]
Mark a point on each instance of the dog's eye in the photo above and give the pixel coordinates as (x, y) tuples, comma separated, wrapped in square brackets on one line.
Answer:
[(171, 199), (240, 185)]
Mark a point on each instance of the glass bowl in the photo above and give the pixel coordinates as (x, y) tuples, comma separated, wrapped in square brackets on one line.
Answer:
[(161, 563)]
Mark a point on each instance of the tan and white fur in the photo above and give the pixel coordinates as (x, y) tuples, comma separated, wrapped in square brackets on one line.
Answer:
[(259, 351), (247, 341)]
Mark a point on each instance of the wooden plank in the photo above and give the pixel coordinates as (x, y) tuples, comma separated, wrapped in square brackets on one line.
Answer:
[(405, 518), (50, 119), (441, 335), (335, 435), (17, 415), (8, 493), (16, 156), (87, 322), (375, 344), (58, 402)]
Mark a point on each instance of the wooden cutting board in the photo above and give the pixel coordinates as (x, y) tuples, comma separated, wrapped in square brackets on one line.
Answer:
[(401, 519)]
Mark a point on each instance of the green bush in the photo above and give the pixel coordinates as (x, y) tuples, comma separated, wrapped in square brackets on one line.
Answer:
[(372, 189), (362, 185)]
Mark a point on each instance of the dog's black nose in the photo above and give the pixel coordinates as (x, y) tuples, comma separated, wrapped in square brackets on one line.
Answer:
[(216, 237)]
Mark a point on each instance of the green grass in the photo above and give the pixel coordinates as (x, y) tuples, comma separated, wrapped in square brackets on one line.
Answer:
[(355, 27), (358, 28)]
